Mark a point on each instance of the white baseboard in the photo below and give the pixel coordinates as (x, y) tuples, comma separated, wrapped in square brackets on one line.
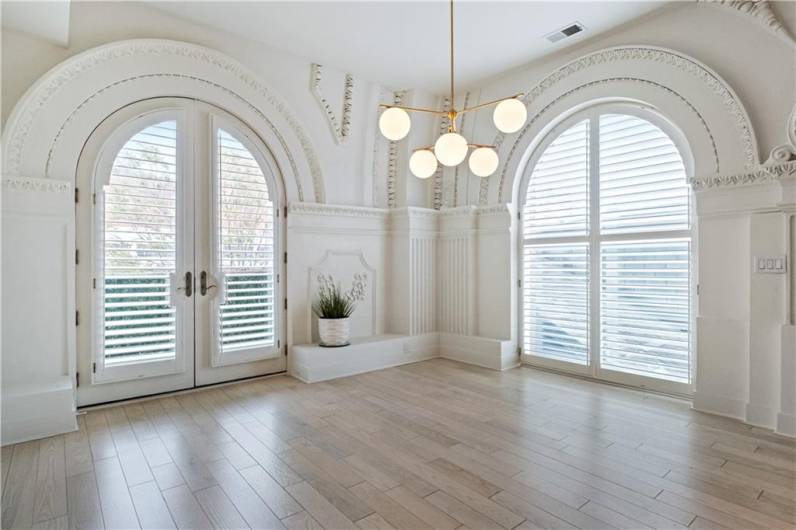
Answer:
[(761, 416), (490, 353), (786, 424), (719, 405), (37, 411)]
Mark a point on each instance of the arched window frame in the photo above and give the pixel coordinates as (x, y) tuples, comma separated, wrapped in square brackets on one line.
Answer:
[(593, 369)]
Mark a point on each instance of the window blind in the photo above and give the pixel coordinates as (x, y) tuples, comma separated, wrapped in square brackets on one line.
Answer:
[(139, 247), (246, 248), (557, 199), (556, 301), (645, 308), (643, 186)]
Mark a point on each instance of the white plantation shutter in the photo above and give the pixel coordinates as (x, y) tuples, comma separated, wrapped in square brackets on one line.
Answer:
[(635, 291), (645, 311), (555, 276), (557, 200), (642, 178), (556, 301), (139, 247), (246, 248)]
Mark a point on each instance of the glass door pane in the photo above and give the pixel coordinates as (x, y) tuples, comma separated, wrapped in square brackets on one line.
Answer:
[(246, 314), (140, 248)]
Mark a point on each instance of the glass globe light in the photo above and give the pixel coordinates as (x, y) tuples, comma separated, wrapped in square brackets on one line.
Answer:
[(510, 115), (483, 161), (423, 163), (450, 149), (394, 124)]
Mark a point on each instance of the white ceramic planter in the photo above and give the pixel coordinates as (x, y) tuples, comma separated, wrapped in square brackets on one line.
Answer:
[(334, 331)]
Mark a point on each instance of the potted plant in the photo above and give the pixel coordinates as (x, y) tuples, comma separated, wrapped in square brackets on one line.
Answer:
[(333, 309)]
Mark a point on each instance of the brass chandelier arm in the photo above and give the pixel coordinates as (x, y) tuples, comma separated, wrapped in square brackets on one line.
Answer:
[(431, 147), (414, 109), (489, 103)]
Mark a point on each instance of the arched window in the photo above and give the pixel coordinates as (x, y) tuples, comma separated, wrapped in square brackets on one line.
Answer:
[(183, 286), (606, 250)]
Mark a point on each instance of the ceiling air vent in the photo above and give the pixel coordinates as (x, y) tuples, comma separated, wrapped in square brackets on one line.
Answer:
[(567, 31)]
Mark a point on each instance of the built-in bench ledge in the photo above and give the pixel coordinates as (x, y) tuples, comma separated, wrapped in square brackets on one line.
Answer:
[(311, 362)]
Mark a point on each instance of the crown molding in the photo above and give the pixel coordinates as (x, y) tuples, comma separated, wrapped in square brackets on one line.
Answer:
[(340, 128)]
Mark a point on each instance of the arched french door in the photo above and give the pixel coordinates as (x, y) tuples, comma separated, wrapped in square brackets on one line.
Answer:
[(182, 280), (606, 250)]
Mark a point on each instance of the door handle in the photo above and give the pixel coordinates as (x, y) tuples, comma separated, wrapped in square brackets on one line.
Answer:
[(188, 284), (203, 287)]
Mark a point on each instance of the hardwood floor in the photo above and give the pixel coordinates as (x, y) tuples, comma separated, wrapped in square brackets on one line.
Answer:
[(430, 445)]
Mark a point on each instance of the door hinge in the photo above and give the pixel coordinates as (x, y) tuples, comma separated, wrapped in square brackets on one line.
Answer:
[(77, 257), (278, 344), (93, 198), (94, 368), (277, 278), (77, 195), (285, 350), (77, 318), (519, 350), (285, 211), (77, 379), (93, 283), (285, 258), (519, 215), (519, 283), (285, 304), (697, 288)]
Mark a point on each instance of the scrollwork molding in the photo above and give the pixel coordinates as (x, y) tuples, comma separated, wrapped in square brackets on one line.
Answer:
[(36, 185), (28, 112), (759, 10), (342, 127), (761, 175)]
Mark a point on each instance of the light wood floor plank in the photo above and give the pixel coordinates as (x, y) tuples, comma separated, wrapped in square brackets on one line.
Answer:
[(185, 510), (434, 444), (117, 506), (151, 507), (50, 489)]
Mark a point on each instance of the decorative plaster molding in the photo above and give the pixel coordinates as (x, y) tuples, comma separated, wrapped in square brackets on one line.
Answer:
[(309, 208), (444, 123), (759, 10), (43, 91), (761, 175), (392, 159), (538, 116), (340, 129), (645, 53), (496, 209), (463, 167), (36, 185), (787, 151)]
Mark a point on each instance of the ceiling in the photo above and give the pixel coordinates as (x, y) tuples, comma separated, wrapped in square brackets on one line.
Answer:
[(47, 19), (406, 44)]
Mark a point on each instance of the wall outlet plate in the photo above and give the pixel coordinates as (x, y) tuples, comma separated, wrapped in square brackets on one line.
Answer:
[(771, 264)]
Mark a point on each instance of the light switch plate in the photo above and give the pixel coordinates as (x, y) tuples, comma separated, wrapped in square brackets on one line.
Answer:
[(771, 264)]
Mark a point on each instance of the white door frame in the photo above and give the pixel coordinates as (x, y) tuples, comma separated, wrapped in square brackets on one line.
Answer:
[(194, 365)]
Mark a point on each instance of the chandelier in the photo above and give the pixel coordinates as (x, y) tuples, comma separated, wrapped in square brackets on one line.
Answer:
[(452, 148)]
